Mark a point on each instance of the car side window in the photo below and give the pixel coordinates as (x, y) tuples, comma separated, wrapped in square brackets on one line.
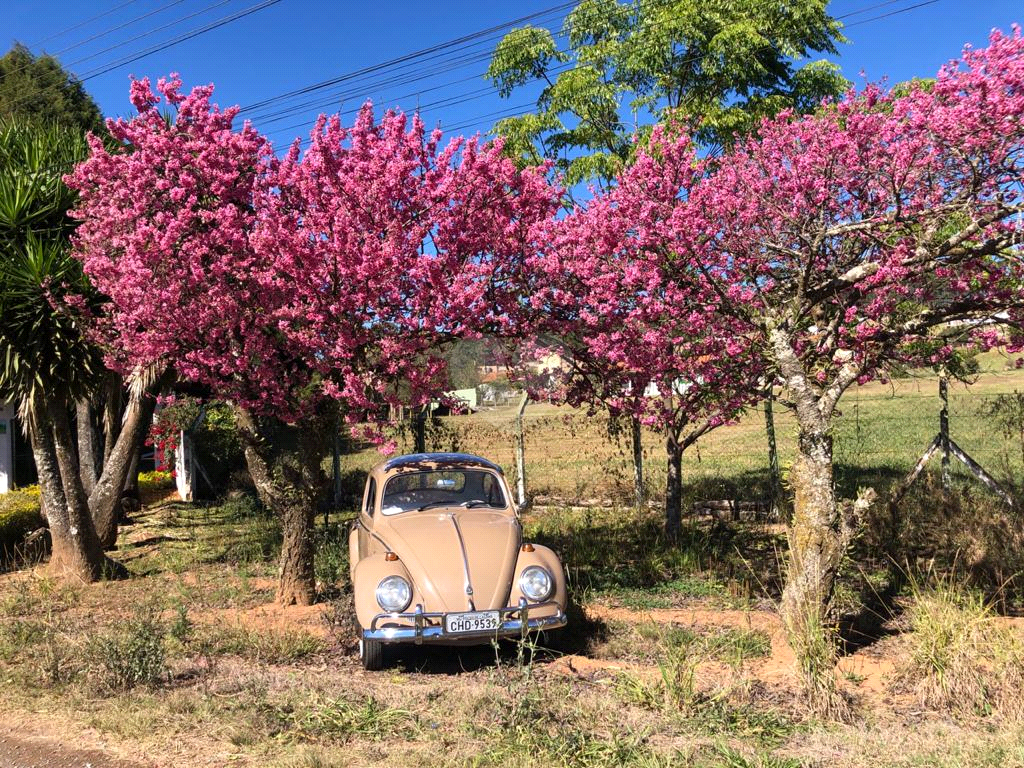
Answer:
[(371, 495)]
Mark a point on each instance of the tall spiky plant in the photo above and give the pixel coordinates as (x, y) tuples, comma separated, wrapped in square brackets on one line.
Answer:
[(46, 360)]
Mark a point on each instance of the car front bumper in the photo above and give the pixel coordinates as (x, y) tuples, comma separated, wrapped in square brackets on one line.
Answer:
[(429, 627)]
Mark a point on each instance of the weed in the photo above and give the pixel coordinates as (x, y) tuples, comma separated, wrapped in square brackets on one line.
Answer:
[(732, 758), (19, 635), (345, 720), (131, 655), (181, 627), (960, 656), (271, 647)]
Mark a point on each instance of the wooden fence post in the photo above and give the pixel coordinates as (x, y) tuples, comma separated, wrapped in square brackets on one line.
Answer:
[(521, 453), (420, 430), (775, 475), (944, 428), (638, 463)]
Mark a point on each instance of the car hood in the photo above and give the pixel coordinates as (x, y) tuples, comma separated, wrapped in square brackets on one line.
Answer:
[(429, 545)]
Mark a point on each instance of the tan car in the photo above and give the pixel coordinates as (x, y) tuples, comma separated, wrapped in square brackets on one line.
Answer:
[(437, 556)]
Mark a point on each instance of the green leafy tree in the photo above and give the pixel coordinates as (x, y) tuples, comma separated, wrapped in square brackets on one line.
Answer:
[(37, 87), (720, 64)]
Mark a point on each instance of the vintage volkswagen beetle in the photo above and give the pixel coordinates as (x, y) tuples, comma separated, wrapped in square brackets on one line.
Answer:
[(437, 556)]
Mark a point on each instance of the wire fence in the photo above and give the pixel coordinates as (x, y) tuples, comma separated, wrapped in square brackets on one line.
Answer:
[(880, 433)]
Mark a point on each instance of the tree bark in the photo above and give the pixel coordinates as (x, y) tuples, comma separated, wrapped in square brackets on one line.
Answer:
[(89, 458), (674, 488), (296, 578), (77, 554), (105, 500), (284, 462), (818, 534), (113, 412)]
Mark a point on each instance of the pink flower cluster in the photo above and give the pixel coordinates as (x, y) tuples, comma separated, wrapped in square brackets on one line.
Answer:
[(333, 273)]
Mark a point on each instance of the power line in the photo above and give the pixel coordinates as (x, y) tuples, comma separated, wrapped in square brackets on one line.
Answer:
[(339, 94), (140, 36), (119, 27), (105, 33), (81, 24), (893, 13), (405, 57), (216, 24), (869, 8)]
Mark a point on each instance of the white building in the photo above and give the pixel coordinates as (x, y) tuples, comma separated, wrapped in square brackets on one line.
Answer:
[(7, 427)]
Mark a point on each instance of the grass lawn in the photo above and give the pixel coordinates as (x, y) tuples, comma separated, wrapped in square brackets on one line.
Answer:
[(674, 655)]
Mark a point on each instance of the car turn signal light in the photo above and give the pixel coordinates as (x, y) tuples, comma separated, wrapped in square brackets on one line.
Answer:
[(391, 557), (527, 547)]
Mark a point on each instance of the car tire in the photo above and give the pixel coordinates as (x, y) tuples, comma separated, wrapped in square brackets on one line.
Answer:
[(371, 653)]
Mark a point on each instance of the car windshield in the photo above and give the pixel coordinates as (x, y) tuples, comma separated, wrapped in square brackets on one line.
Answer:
[(442, 488)]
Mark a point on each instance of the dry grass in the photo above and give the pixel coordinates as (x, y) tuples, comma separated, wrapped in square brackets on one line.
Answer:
[(962, 656), (240, 684)]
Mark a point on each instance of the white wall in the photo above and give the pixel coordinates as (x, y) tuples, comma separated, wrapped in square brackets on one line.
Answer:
[(6, 447)]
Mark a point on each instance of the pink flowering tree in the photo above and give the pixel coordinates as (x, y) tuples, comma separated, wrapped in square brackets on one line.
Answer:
[(295, 288), (883, 229), (612, 291)]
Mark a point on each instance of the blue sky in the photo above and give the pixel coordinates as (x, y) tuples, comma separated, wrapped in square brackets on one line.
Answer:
[(298, 42)]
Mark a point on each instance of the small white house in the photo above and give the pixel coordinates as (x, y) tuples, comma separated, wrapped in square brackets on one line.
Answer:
[(7, 427)]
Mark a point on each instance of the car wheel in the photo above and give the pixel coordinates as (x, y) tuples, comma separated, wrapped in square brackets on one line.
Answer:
[(371, 653)]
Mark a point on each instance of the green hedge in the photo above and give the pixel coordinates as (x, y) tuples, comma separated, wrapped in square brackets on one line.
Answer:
[(19, 514)]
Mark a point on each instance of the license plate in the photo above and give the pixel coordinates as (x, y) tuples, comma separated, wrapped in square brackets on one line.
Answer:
[(478, 621)]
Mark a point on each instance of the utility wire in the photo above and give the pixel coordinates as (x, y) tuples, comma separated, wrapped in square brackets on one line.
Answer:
[(168, 25), (264, 117), (82, 23), (119, 27), (502, 113), (216, 24), (105, 33), (892, 13), (405, 57)]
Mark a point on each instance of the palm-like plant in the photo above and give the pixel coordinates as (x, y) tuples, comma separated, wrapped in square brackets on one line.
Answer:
[(46, 359), (42, 347)]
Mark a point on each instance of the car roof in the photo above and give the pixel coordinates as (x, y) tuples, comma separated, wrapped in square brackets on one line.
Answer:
[(425, 461)]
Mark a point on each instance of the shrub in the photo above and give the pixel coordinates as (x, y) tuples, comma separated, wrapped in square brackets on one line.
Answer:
[(966, 529), (133, 654), (19, 515), (157, 480)]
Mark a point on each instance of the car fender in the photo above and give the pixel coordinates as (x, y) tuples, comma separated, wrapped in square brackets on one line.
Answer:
[(367, 574), (353, 552), (545, 557)]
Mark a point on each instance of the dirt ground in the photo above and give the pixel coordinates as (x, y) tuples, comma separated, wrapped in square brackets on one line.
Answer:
[(21, 748)]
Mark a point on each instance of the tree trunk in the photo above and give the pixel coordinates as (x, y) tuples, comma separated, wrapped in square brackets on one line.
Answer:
[(284, 463), (113, 412), (818, 534), (89, 459), (77, 554), (674, 489), (818, 539), (296, 579), (105, 500)]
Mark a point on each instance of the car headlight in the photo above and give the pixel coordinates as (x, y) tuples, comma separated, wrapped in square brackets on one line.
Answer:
[(536, 583), (394, 594)]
